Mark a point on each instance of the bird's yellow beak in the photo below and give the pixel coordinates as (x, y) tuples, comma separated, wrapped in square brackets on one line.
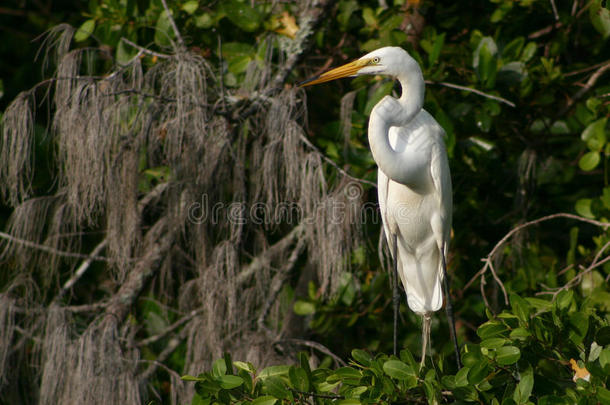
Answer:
[(349, 69)]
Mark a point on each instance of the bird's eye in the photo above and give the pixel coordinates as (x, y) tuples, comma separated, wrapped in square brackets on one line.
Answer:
[(376, 60)]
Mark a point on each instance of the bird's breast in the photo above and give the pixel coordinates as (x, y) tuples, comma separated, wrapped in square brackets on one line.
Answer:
[(406, 212)]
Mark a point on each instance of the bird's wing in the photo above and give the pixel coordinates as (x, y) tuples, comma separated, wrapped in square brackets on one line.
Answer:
[(441, 178)]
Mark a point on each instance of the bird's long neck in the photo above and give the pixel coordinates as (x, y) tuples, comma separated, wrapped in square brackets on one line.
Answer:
[(413, 92), (392, 163)]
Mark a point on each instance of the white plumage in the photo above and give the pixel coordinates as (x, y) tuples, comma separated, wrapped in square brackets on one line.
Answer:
[(414, 182)]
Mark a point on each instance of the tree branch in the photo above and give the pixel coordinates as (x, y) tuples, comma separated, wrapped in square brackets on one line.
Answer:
[(170, 328), (174, 26), (488, 260), (314, 345), (475, 91), (333, 164), (268, 254), (51, 250), (157, 242), (278, 282), (590, 83)]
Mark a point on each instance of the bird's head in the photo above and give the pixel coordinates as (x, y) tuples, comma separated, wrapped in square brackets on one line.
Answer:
[(390, 60)]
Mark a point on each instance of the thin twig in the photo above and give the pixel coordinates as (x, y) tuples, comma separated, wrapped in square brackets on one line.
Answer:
[(145, 50), (80, 271), (170, 328), (590, 83), (278, 283), (174, 26), (164, 355), (577, 279), (260, 261), (475, 91), (488, 260), (333, 164), (51, 250), (554, 7), (314, 345)]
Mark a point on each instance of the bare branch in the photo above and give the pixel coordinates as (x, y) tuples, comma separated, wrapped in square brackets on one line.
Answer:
[(475, 91), (164, 355), (590, 83), (333, 164), (278, 282), (157, 242), (314, 345), (579, 277), (554, 7), (268, 254), (51, 250), (170, 328), (147, 51), (488, 260), (173, 24), (81, 270)]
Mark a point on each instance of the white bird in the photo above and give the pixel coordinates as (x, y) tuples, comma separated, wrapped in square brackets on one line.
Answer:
[(414, 183)]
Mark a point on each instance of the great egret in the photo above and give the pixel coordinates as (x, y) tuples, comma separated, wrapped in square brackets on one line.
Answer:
[(414, 183)]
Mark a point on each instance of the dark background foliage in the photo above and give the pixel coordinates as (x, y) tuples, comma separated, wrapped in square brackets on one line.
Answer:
[(521, 88)]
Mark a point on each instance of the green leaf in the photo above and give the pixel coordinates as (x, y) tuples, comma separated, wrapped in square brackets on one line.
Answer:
[(362, 357), (564, 299), (512, 50), (264, 400), (529, 51), (397, 369), (507, 355), (248, 367), (579, 324), (190, 6), (525, 386), (439, 41), (304, 308), (595, 134), (219, 368), (242, 15), (164, 34), (348, 375), (478, 372), (493, 343), (583, 208), (192, 378), (197, 400), (85, 30), (461, 378), (125, 53), (520, 307), (519, 334), (485, 62), (274, 371), (600, 18), (298, 378), (604, 357), (491, 329), (540, 304), (230, 381), (603, 336), (606, 197), (276, 387), (603, 395)]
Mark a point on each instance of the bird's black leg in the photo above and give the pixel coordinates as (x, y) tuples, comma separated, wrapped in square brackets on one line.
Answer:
[(449, 308), (395, 293)]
